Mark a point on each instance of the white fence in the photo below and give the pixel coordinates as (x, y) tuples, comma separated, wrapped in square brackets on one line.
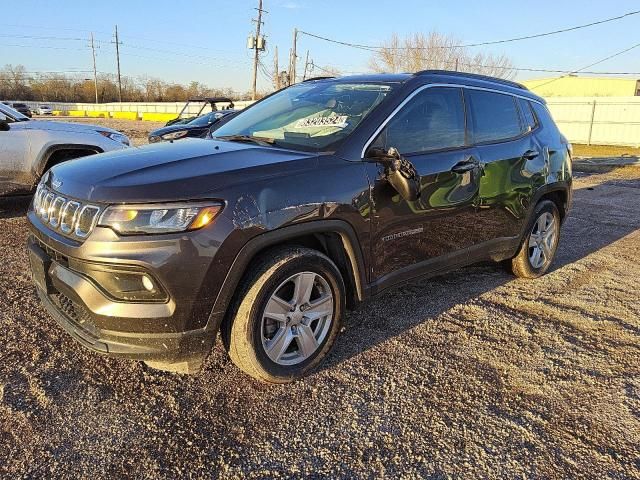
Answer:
[(598, 120)]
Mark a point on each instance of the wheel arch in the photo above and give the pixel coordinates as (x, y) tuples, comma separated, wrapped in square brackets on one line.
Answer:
[(335, 238), (43, 163)]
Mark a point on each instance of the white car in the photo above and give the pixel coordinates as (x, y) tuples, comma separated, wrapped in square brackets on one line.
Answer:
[(28, 148), (44, 110)]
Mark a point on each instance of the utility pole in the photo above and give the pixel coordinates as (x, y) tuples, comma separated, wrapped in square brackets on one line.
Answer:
[(456, 64), (276, 68), (306, 64), (257, 46), (294, 58), (95, 73), (118, 43)]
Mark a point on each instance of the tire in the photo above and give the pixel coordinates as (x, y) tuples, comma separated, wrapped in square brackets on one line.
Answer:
[(275, 345), (525, 264)]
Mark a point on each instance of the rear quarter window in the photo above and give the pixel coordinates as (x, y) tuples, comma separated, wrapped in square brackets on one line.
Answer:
[(529, 118), (494, 116), (544, 118)]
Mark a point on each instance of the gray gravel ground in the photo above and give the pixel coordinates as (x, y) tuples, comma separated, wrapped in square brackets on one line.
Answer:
[(470, 375)]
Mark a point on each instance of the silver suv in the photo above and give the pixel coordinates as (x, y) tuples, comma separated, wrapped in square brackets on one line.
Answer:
[(28, 147)]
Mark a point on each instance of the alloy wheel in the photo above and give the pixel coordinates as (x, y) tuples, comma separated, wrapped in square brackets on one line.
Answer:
[(297, 318), (542, 241)]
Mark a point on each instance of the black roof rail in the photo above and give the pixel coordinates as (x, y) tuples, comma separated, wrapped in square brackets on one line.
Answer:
[(474, 76), (318, 78)]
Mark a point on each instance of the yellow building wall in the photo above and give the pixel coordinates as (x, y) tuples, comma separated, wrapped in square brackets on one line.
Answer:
[(583, 87)]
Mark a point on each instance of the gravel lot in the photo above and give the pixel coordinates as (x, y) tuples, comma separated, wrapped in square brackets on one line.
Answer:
[(470, 375)]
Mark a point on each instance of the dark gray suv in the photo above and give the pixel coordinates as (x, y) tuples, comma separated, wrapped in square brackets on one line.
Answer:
[(302, 205)]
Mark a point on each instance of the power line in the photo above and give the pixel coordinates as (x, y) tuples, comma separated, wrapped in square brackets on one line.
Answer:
[(478, 44), (590, 65)]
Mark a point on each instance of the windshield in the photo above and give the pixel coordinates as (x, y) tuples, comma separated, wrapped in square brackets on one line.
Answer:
[(11, 114), (309, 116)]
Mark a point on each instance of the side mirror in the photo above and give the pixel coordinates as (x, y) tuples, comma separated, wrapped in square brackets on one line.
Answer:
[(399, 172), (4, 126)]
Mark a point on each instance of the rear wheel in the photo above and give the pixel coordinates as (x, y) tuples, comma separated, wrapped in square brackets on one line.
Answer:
[(287, 315), (539, 247)]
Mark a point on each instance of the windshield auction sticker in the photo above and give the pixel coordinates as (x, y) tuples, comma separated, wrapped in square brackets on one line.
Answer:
[(332, 121)]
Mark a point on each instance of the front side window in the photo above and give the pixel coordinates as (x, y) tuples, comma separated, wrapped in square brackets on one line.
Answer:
[(313, 116), (432, 120), (494, 116)]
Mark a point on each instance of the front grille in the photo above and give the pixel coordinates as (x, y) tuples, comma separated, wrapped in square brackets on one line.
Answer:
[(70, 217), (54, 254)]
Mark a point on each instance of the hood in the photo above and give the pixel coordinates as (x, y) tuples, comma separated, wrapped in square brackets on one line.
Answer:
[(190, 169), (176, 127), (62, 126)]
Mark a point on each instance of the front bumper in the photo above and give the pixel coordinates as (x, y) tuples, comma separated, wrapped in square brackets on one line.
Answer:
[(171, 332)]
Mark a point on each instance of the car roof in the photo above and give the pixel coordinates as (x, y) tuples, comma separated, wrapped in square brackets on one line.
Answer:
[(441, 76)]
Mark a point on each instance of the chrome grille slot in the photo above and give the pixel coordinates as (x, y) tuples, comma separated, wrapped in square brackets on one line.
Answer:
[(46, 205), (86, 220), (69, 217), (56, 211)]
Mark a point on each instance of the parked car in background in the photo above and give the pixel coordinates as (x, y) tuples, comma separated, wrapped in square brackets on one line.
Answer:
[(28, 148), (20, 107), (305, 203), (198, 127), (44, 110), (201, 103)]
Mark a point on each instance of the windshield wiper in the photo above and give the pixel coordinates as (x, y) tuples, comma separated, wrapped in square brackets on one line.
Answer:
[(248, 138)]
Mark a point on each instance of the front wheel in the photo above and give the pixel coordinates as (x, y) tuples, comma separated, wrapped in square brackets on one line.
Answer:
[(287, 315), (539, 246)]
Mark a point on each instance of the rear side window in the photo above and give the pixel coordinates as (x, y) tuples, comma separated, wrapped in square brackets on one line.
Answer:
[(527, 114), (494, 116)]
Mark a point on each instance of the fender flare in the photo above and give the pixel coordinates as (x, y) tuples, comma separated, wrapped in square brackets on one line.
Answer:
[(564, 187), (260, 242)]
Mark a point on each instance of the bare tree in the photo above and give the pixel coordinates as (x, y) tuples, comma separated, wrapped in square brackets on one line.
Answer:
[(436, 51), (17, 84)]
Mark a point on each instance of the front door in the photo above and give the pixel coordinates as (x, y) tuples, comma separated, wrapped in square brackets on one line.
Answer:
[(411, 236)]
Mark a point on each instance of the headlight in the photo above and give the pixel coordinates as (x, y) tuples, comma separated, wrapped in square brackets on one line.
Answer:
[(116, 137), (166, 218), (175, 135)]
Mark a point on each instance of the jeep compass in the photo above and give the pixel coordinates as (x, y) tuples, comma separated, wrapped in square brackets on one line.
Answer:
[(302, 205)]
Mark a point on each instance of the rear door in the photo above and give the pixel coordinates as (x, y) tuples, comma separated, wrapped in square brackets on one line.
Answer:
[(510, 157), (409, 236)]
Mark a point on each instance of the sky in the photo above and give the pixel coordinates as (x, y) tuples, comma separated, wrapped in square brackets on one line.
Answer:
[(205, 41)]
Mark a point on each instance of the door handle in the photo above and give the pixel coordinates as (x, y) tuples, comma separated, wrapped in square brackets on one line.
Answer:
[(465, 165), (530, 154)]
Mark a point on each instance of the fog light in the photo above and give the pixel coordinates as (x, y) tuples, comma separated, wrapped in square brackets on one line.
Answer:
[(122, 282), (148, 283)]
